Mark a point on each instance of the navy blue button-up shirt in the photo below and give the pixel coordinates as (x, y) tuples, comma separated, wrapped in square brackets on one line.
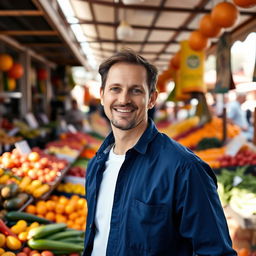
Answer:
[(165, 202)]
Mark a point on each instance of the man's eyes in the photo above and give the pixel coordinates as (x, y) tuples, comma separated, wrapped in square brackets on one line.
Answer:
[(115, 89), (136, 91), (133, 90)]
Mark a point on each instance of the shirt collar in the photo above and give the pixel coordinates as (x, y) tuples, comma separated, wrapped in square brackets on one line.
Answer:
[(141, 145)]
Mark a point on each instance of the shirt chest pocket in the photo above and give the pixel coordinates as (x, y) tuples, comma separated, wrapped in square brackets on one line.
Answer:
[(148, 227)]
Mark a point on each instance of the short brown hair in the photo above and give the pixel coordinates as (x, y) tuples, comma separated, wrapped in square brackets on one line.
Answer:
[(129, 56)]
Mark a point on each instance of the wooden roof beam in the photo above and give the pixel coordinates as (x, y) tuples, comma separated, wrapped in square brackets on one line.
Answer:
[(129, 42), (116, 24), (29, 32), (21, 13), (157, 8), (49, 45)]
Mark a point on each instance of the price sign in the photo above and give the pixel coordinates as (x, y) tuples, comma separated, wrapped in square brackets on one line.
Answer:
[(44, 118), (32, 122), (235, 144), (63, 125), (237, 180), (72, 128), (13, 131), (23, 147)]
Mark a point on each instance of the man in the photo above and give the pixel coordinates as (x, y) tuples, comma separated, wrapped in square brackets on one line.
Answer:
[(75, 116), (235, 113), (147, 195)]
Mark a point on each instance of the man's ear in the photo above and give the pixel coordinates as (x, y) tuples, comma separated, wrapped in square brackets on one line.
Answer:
[(152, 99), (101, 96)]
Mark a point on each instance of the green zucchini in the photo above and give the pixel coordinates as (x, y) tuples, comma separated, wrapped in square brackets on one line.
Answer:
[(46, 230), (66, 234), (45, 244), (10, 190), (57, 252), (74, 240), (14, 215), (16, 202)]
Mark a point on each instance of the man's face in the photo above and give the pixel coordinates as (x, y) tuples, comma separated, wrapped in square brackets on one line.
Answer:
[(126, 97)]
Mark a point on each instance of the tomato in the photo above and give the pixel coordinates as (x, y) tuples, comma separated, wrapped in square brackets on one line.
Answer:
[(47, 253)]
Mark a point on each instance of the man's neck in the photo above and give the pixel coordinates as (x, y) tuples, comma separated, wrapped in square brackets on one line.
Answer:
[(124, 140)]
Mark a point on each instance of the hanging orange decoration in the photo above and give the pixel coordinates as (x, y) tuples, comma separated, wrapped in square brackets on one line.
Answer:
[(162, 79), (225, 14), (197, 41), (16, 71), (11, 84), (175, 61), (208, 28), (245, 3), (6, 62)]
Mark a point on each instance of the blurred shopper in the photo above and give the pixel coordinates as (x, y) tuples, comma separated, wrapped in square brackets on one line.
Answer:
[(235, 112), (75, 116), (147, 194), (238, 116)]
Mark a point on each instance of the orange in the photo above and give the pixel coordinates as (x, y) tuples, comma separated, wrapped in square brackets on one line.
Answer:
[(50, 216), (76, 226), (63, 200), (73, 216), (31, 209), (74, 197), (50, 205), (70, 223), (69, 208), (60, 218), (54, 198), (40, 203), (41, 209), (81, 203), (60, 208), (79, 221)]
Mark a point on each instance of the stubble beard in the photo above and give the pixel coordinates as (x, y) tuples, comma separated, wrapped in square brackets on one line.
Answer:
[(126, 127)]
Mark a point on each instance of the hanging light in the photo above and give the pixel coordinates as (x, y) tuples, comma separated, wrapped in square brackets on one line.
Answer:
[(124, 31), (132, 1)]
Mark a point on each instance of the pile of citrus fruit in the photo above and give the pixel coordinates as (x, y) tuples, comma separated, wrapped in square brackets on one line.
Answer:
[(61, 209)]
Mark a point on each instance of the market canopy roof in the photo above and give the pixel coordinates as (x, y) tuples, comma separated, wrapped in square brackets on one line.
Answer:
[(158, 27)]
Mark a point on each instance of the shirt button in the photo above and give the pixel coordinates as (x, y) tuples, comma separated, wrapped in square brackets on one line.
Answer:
[(90, 226)]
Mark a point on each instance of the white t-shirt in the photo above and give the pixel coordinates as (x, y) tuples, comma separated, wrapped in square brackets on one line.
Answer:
[(105, 203)]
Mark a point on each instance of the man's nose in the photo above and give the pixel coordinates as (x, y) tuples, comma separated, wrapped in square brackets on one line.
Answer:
[(124, 97)]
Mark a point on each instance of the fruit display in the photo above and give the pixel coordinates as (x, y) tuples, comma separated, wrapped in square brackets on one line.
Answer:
[(73, 188), (211, 156), (176, 129), (61, 209), (25, 131), (245, 156), (214, 127), (78, 168), (36, 165)]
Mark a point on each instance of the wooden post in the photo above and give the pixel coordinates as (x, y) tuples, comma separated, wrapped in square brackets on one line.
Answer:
[(224, 121), (224, 125), (254, 127)]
